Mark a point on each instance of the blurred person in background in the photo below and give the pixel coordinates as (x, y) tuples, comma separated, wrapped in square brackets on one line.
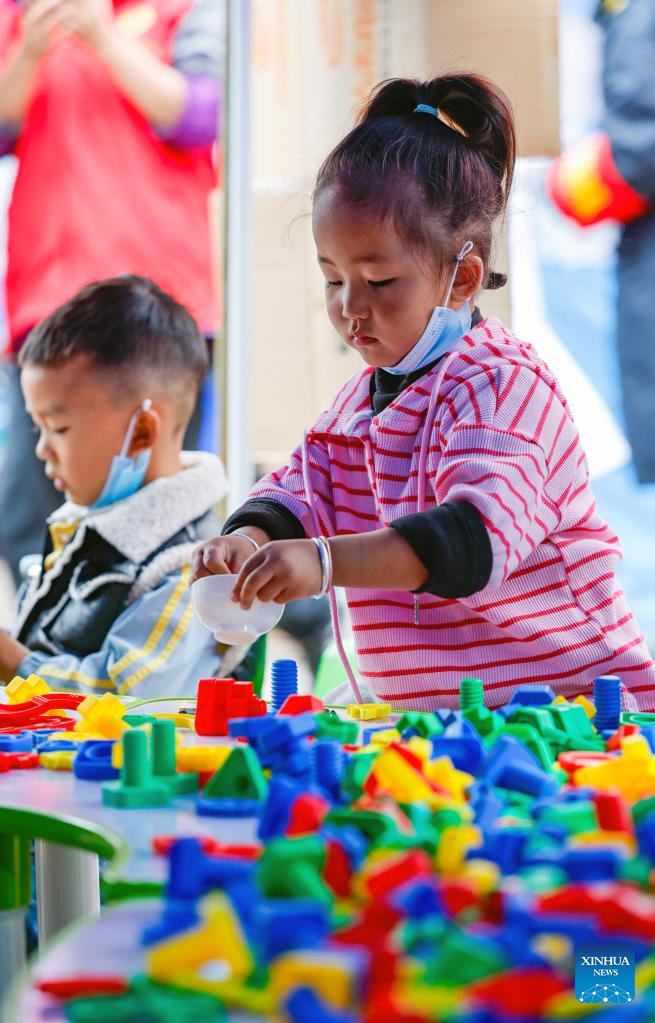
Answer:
[(112, 112), (610, 174)]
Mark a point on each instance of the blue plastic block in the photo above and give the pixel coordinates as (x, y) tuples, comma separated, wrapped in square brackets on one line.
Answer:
[(367, 733), (485, 803), (20, 743), (93, 761), (56, 745), (465, 751), (646, 836), (460, 726), (284, 682), (185, 869), (607, 698), (505, 847), (248, 728), (177, 915), (225, 807), (282, 925), (327, 765), (648, 732), (276, 811), (531, 696), (418, 899), (303, 1005), (351, 840), (591, 864), (511, 765)]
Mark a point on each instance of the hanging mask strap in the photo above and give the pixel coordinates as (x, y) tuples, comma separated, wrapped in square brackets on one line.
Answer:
[(145, 406), (464, 251)]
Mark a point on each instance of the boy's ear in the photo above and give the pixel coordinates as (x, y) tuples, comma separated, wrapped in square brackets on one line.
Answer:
[(146, 432), (468, 280)]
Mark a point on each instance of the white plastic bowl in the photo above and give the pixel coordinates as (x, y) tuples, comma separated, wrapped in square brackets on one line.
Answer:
[(212, 602)]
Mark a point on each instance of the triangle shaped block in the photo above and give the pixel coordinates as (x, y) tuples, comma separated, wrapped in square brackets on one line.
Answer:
[(240, 777)]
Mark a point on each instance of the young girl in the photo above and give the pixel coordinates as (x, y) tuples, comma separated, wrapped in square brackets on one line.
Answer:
[(445, 487)]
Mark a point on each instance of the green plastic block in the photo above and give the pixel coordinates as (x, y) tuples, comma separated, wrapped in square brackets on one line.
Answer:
[(575, 817), (637, 870), (633, 717), (373, 825), (424, 723), (461, 959), (330, 726), (471, 693), (292, 867), (163, 760), (572, 719), (544, 877), (485, 721), (357, 771), (147, 1002), (135, 720), (537, 717), (644, 808), (240, 777), (137, 789)]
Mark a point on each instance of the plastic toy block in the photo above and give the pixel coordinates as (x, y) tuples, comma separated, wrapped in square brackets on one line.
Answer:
[(369, 711), (607, 699), (227, 807), (532, 696), (573, 817), (22, 742), (219, 700), (292, 868), (62, 760), (199, 759), (164, 759), (308, 811), (240, 777), (454, 846), (150, 1001), (572, 719), (284, 682), (613, 812), (20, 690), (466, 752), (281, 926), (301, 704), (73, 987), (93, 761), (18, 761), (391, 872), (303, 1004), (511, 765), (330, 726), (588, 706), (383, 737), (276, 812), (136, 789), (327, 765), (333, 976), (418, 723), (101, 717), (219, 936), (471, 693), (615, 741)]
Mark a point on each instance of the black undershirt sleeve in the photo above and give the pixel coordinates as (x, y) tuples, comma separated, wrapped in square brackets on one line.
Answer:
[(271, 516), (453, 544)]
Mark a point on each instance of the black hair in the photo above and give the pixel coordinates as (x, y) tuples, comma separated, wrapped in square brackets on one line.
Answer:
[(132, 331), (441, 179)]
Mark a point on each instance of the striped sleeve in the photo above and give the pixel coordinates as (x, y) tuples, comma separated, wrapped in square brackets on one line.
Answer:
[(153, 646), (286, 486), (503, 450)]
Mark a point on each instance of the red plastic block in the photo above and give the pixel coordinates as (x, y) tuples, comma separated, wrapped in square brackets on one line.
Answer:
[(372, 928), (521, 992), (298, 703), (219, 700), (573, 761), (73, 987), (613, 812), (20, 761), (614, 741), (210, 846), (383, 1006), (457, 896), (307, 814), (337, 870), (393, 873)]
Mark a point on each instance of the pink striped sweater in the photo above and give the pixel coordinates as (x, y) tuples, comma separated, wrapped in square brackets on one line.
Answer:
[(488, 425)]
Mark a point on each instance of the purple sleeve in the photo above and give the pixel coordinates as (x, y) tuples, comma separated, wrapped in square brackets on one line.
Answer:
[(198, 122), (9, 133)]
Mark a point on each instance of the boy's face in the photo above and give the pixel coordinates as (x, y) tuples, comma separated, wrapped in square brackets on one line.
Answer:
[(80, 428)]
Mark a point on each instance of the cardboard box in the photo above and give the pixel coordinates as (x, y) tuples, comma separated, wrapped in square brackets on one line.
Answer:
[(314, 63)]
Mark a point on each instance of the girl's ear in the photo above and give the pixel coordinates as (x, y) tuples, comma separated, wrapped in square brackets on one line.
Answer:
[(146, 432), (468, 280)]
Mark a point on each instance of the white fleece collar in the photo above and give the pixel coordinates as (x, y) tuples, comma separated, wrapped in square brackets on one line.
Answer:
[(141, 523)]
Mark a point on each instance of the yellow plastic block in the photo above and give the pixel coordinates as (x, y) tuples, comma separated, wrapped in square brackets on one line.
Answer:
[(59, 760), (329, 974), (20, 690), (560, 699), (420, 747), (102, 716), (428, 1000), (620, 840), (484, 875), (369, 711), (385, 737), (258, 1001), (179, 720), (453, 846), (399, 778), (201, 758), (219, 937), (589, 708), (443, 773)]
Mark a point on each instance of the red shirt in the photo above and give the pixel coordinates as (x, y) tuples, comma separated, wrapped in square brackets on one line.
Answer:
[(98, 193)]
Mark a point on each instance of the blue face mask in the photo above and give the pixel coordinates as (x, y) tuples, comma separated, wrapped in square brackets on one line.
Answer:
[(126, 475), (445, 326)]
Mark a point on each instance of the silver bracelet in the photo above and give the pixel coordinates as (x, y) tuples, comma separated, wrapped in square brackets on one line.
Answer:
[(244, 536), (325, 554)]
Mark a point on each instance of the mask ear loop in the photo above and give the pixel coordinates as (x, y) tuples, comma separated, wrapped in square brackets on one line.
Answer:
[(145, 406), (464, 251)]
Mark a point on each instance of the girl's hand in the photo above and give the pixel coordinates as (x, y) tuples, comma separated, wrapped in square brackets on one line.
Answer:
[(41, 23), (281, 571), (223, 555), (90, 20)]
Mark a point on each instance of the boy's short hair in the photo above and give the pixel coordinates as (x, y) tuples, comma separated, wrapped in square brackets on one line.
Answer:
[(134, 332)]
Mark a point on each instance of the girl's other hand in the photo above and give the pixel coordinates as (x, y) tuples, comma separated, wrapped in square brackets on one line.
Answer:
[(41, 23), (223, 555), (281, 571)]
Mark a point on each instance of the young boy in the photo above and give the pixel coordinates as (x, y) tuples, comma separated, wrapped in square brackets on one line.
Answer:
[(110, 380)]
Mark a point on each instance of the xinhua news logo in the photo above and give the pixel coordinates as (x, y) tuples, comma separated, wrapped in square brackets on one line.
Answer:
[(605, 972)]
